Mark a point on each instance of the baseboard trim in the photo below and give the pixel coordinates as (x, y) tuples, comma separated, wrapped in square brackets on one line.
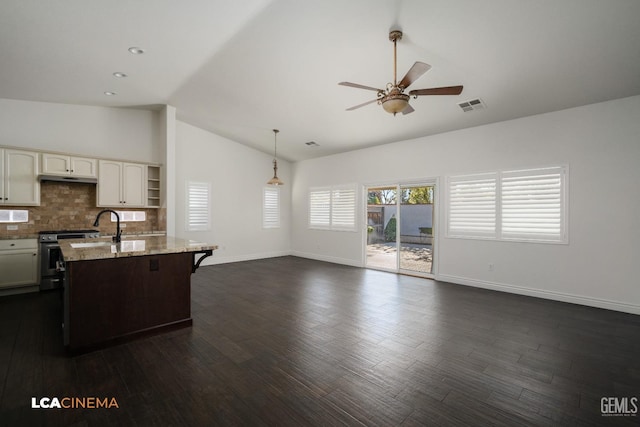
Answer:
[(335, 260), (215, 259), (551, 295)]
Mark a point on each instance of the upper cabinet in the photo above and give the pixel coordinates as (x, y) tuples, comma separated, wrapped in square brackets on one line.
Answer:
[(19, 178), (121, 184), (59, 164)]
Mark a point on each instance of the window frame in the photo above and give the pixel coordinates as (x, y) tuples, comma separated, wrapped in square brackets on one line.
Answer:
[(334, 215), (268, 209), (205, 207), (13, 214), (504, 178)]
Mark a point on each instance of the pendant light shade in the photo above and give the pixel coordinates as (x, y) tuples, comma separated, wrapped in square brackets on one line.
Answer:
[(275, 180)]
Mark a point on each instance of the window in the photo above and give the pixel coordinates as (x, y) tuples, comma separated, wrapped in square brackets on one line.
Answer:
[(320, 209), (472, 206), (522, 205), (533, 205), (197, 217), (271, 208), (333, 208), (14, 215), (130, 216), (343, 209)]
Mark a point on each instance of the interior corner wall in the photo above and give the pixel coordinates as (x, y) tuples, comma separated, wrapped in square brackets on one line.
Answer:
[(103, 132), (599, 143), (238, 175)]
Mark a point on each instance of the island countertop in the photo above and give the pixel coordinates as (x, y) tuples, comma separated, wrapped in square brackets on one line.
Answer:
[(104, 248)]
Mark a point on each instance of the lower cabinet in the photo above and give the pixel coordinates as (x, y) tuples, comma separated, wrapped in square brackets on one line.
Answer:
[(18, 262)]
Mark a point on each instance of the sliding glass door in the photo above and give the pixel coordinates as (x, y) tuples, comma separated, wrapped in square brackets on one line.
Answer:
[(400, 225), (381, 246), (416, 228)]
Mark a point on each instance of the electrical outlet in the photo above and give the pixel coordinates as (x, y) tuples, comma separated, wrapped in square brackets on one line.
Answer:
[(490, 267), (12, 227)]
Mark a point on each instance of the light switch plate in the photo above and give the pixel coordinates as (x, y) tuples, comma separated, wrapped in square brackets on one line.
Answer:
[(12, 227)]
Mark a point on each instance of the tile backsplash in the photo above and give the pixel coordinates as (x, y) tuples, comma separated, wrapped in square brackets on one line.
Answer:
[(73, 206)]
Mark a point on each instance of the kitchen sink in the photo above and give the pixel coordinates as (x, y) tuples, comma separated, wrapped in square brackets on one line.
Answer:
[(90, 245)]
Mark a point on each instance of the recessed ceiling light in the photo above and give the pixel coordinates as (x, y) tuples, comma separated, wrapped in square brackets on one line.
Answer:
[(110, 93), (136, 50), (119, 75)]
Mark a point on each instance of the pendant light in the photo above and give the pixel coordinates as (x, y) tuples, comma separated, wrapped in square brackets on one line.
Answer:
[(275, 180)]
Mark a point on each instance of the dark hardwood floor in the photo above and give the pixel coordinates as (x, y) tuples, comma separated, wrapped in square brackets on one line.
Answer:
[(289, 341)]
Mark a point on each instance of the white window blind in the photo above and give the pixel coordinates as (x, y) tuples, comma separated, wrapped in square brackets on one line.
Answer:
[(533, 204), (343, 208), (333, 208), (472, 206), (528, 205), (14, 215), (271, 208), (320, 208), (198, 206), (130, 216)]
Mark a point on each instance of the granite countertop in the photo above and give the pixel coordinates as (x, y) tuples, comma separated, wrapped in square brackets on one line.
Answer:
[(104, 248)]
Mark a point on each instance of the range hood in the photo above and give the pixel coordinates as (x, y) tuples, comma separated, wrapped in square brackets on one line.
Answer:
[(68, 179)]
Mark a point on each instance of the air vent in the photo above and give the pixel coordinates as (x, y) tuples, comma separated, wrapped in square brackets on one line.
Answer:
[(472, 105), (312, 144)]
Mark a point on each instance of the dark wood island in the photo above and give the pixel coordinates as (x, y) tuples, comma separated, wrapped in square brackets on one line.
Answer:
[(114, 292)]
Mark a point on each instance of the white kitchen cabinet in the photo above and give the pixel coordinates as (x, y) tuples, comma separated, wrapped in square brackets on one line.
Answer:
[(18, 262), (59, 164), (121, 184), (19, 185)]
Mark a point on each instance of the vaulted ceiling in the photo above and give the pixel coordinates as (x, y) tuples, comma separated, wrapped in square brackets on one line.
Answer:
[(242, 68)]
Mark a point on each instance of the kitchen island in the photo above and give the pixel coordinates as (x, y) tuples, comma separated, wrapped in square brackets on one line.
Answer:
[(114, 292)]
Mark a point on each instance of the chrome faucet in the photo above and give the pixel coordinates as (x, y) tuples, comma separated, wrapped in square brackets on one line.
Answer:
[(116, 238)]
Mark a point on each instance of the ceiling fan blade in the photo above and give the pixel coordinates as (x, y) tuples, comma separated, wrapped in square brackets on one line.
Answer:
[(408, 110), (362, 105), (447, 90), (417, 70), (359, 86)]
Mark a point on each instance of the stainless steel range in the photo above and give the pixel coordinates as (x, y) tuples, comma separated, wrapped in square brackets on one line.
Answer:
[(50, 274)]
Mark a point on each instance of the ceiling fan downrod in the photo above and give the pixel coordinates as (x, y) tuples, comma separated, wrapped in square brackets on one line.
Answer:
[(394, 36)]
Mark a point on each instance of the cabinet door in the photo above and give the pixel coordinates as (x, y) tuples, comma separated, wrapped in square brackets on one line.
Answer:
[(109, 183), (21, 178), (133, 187), (55, 164), (84, 167), (18, 268)]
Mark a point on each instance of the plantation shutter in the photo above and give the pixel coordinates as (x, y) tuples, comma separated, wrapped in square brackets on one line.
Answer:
[(271, 208), (472, 206), (533, 204), (320, 208), (197, 218), (343, 209)]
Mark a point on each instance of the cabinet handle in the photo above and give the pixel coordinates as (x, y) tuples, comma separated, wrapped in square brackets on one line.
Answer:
[(71, 170), (67, 170)]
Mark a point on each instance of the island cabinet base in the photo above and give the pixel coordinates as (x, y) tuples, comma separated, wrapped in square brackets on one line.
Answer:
[(108, 301)]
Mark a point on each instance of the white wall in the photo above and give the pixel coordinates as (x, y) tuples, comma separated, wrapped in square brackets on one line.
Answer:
[(601, 145), (118, 133), (237, 175)]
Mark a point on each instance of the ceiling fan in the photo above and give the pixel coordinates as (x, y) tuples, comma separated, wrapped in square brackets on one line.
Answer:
[(392, 98)]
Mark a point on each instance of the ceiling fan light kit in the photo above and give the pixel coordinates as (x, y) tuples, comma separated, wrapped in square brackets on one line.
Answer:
[(392, 98)]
